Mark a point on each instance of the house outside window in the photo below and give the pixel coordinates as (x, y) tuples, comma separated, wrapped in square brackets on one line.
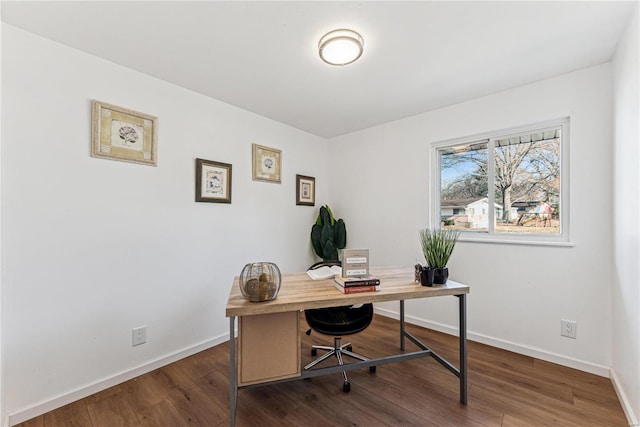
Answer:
[(520, 172)]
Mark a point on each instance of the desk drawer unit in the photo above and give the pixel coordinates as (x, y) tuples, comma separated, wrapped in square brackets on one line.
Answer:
[(268, 347)]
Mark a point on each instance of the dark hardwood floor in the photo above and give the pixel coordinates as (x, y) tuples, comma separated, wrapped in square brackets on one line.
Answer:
[(505, 389)]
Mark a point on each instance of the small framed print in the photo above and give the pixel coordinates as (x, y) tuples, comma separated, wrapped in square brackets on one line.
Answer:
[(122, 134), (213, 181), (305, 190), (267, 164)]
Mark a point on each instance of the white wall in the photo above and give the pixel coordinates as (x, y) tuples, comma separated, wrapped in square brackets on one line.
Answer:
[(518, 293), (2, 358), (626, 230), (92, 248)]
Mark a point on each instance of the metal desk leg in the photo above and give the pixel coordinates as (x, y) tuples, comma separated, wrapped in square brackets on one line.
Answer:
[(233, 373), (462, 299), (402, 325)]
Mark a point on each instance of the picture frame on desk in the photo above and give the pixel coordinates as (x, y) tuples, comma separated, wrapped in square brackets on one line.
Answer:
[(213, 181), (118, 133), (305, 190), (267, 164)]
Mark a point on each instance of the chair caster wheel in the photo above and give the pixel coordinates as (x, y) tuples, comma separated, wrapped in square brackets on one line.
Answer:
[(372, 369), (349, 348), (346, 387), (314, 352)]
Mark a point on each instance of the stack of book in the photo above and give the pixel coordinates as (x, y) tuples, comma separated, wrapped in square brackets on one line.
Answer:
[(351, 285)]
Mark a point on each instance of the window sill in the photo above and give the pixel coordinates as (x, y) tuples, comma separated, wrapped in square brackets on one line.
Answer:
[(507, 241)]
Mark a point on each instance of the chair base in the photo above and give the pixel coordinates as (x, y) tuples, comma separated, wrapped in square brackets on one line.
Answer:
[(338, 350)]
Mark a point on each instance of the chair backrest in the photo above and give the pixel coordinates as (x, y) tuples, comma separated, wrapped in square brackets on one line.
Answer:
[(328, 263)]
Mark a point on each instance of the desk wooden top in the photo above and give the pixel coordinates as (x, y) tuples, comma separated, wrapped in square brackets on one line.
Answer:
[(299, 292)]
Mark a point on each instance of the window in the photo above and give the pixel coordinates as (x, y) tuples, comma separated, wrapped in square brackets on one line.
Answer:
[(511, 184)]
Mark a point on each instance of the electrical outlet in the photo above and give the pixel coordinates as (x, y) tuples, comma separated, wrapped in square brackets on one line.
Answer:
[(568, 328), (139, 335)]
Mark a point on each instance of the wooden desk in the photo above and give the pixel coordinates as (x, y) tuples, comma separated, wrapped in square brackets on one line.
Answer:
[(273, 328)]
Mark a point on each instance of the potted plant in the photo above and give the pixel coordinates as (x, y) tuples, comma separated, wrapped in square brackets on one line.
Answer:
[(437, 246), (328, 235)]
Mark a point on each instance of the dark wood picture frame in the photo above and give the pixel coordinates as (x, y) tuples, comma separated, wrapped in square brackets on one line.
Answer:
[(213, 181), (305, 190)]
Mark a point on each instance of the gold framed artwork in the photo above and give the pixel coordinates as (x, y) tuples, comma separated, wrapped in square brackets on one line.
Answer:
[(122, 134), (305, 190), (213, 181), (267, 164)]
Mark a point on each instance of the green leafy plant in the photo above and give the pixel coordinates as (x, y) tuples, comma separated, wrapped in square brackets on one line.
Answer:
[(437, 246), (328, 235)]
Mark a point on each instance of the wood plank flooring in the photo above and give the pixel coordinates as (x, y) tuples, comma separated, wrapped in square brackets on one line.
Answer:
[(505, 389)]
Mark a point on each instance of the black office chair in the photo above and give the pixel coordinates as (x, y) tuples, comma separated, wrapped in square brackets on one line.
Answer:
[(338, 322)]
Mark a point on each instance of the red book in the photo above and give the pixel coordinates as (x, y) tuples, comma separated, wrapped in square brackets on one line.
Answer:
[(357, 289)]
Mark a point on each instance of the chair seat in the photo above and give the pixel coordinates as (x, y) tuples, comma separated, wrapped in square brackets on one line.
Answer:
[(345, 320)]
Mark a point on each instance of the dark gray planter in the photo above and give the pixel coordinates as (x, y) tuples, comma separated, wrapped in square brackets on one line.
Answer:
[(426, 276), (440, 275)]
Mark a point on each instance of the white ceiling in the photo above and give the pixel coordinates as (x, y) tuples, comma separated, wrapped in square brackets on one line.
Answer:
[(262, 56)]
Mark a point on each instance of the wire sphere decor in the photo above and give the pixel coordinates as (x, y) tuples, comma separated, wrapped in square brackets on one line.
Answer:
[(260, 281)]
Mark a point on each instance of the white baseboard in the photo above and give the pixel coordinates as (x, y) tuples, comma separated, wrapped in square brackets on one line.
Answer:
[(24, 414), (624, 400), (581, 365)]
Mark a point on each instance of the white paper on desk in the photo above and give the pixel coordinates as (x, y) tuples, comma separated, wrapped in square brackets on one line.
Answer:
[(324, 272)]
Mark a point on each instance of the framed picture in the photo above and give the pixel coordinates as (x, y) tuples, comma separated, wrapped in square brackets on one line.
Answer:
[(267, 164), (122, 134), (305, 190), (213, 181)]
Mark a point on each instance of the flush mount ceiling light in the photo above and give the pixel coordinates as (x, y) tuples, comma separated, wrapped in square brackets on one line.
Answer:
[(340, 47)]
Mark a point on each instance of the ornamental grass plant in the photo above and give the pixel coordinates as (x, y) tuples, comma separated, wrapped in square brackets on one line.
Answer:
[(437, 246)]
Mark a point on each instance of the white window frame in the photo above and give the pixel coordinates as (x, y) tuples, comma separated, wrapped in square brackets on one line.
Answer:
[(491, 236)]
